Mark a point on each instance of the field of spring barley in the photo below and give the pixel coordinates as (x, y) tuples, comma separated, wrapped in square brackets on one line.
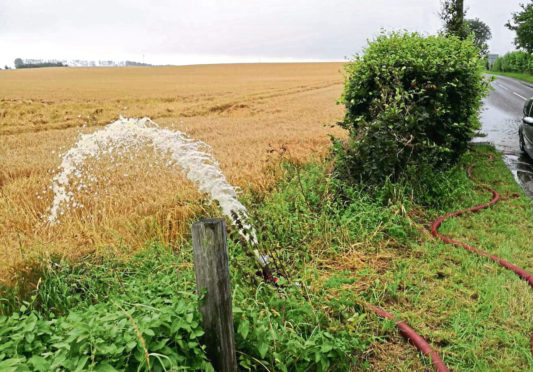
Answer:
[(248, 113)]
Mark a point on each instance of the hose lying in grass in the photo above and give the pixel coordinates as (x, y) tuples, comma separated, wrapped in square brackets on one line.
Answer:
[(495, 197), (414, 337)]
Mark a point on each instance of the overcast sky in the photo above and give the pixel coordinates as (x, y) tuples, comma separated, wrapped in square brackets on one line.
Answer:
[(216, 31)]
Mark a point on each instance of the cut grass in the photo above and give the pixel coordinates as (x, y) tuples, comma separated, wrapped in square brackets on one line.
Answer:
[(474, 312), (516, 75)]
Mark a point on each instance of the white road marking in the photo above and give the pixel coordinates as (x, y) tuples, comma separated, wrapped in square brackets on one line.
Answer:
[(518, 95), (503, 86), (509, 90)]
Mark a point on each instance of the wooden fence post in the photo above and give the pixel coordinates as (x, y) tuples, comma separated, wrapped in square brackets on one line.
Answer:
[(212, 273)]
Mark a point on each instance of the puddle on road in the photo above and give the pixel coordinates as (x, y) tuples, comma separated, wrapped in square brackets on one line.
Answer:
[(502, 130), (522, 170)]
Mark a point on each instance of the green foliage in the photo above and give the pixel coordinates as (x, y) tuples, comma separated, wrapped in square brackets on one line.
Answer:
[(522, 24), (105, 315), (452, 14), (481, 33), (302, 222), (308, 218), (284, 331), (152, 315), (411, 107), (514, 62), (20, 64)]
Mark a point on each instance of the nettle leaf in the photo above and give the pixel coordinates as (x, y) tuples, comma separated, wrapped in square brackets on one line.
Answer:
[(12, 364), (105, 367), (131, 345), (326, 347), (149, 332), (262, 347), (80, 365), (197, 333), (244, 328), (39, 363)]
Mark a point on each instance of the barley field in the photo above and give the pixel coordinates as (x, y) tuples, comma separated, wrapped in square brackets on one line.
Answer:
[(248, 113)]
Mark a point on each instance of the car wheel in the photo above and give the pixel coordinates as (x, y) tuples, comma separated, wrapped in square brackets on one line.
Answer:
[(522, 144)]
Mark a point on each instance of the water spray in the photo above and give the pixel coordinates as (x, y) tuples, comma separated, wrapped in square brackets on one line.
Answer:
[(193, 157)]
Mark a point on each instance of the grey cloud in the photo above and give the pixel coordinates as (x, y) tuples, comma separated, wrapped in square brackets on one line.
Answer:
[(168, 31)]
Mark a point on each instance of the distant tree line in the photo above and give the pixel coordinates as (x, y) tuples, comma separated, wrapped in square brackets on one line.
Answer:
[(514, 62), (19, 63), (453, 17), (133, 63)]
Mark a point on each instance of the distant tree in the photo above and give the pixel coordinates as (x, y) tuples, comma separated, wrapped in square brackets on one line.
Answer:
[(6, 67), (452, 14), (481, 33), (19, 63), (133, 63), (522, 24)]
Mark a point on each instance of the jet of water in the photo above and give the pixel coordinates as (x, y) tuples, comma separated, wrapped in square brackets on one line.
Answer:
[(126, 134)]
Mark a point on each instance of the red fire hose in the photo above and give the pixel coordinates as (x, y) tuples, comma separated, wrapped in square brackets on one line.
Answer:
[(495, 197), (407, 331), (414, 337)]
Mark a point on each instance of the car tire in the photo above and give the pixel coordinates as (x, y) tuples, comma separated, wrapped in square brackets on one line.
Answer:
[(522, 144)]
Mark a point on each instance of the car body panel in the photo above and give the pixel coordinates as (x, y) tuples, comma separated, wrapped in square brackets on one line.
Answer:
[(526, 130)]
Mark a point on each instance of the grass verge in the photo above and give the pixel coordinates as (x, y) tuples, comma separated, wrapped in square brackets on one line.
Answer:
[(105, 315), (516, 75), (475, 312)]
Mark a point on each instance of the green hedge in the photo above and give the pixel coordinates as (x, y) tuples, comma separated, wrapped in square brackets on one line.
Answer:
[(514, 62), (411, 105)]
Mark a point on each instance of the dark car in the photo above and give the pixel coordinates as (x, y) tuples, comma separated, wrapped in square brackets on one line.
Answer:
[(526, 129)]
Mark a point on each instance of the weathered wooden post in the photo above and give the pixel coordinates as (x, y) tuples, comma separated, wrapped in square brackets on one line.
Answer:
[(212, 273)]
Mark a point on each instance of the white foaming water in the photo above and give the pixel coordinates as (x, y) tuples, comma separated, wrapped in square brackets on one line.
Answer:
[(192, 156)]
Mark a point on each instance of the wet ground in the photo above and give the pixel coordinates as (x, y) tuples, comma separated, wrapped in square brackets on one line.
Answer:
[(500, 119)]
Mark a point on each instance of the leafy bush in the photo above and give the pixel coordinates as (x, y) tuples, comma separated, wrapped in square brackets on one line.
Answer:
[(107, 315), (411, 107), (514, 62), (151, 315), (287, 332)]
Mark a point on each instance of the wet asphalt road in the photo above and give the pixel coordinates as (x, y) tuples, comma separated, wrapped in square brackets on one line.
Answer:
[(500, 118)]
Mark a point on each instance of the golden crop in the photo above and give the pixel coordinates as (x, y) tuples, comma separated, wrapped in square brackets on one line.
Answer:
[(243, 111)]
